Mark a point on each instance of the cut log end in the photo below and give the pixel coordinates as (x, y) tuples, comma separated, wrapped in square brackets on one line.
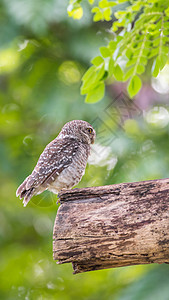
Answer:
[(113, 226)]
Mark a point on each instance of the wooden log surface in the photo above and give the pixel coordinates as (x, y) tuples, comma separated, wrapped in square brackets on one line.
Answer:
[(113, 226)]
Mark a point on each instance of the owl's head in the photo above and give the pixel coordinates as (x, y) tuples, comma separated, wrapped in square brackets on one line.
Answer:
[(80, 130)]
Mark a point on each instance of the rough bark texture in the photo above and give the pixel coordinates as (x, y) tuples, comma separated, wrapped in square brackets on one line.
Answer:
[(113, 226)]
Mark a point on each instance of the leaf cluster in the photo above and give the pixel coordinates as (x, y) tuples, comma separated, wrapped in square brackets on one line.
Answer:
[(140, 34)]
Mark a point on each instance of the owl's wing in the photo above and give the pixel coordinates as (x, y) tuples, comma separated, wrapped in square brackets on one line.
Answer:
[(57, 156)]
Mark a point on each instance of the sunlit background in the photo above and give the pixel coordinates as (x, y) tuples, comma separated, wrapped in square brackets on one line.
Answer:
[(43, 55)]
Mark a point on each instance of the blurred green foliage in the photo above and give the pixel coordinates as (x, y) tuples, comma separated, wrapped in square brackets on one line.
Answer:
[(43, 55), (139, 37)]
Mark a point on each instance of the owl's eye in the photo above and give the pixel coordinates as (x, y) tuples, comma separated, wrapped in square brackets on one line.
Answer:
[(89, 130)]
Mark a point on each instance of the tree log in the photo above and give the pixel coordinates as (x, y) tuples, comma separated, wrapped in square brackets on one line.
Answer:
[(113, 226)]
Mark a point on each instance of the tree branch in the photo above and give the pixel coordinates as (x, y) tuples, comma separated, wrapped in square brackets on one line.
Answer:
[(113, 226)]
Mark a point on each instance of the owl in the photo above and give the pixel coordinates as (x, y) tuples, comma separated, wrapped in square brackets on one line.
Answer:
[(62, 163)]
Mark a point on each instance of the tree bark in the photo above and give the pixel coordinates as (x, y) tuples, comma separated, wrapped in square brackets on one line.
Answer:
[(113, 226)]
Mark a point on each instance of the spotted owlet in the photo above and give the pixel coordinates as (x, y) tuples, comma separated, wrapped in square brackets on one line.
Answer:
[(62, 163)]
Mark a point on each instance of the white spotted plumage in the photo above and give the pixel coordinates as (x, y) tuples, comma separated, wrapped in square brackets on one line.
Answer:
[(62, 163)]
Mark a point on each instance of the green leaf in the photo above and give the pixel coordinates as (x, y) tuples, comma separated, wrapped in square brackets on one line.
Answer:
[(96, 94), (129, 53), (91, 1), (97, 61), (140, 69), (76, 11), (111, 67), (98, 17), (119, 14), (103, 3), (105, 52), (159, 62), (153, 52), (106, 3), (131, 62), (167, 12), (112, 46), (118, 73), (88, 73), (137, 6), (163, 60), (128, 74), (107, 14), (112, 3), (98, 14), (155, 67), (106, 73), (92, 79), (134, 86), (95, 9)]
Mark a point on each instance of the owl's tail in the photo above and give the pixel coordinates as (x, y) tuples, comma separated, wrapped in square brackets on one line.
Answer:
[(27, 194)]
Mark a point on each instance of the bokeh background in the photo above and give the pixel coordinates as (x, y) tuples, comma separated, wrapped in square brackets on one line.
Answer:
[(43, 55)]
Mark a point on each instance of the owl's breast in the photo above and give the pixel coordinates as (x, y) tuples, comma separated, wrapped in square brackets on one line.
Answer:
[(72, 174)]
